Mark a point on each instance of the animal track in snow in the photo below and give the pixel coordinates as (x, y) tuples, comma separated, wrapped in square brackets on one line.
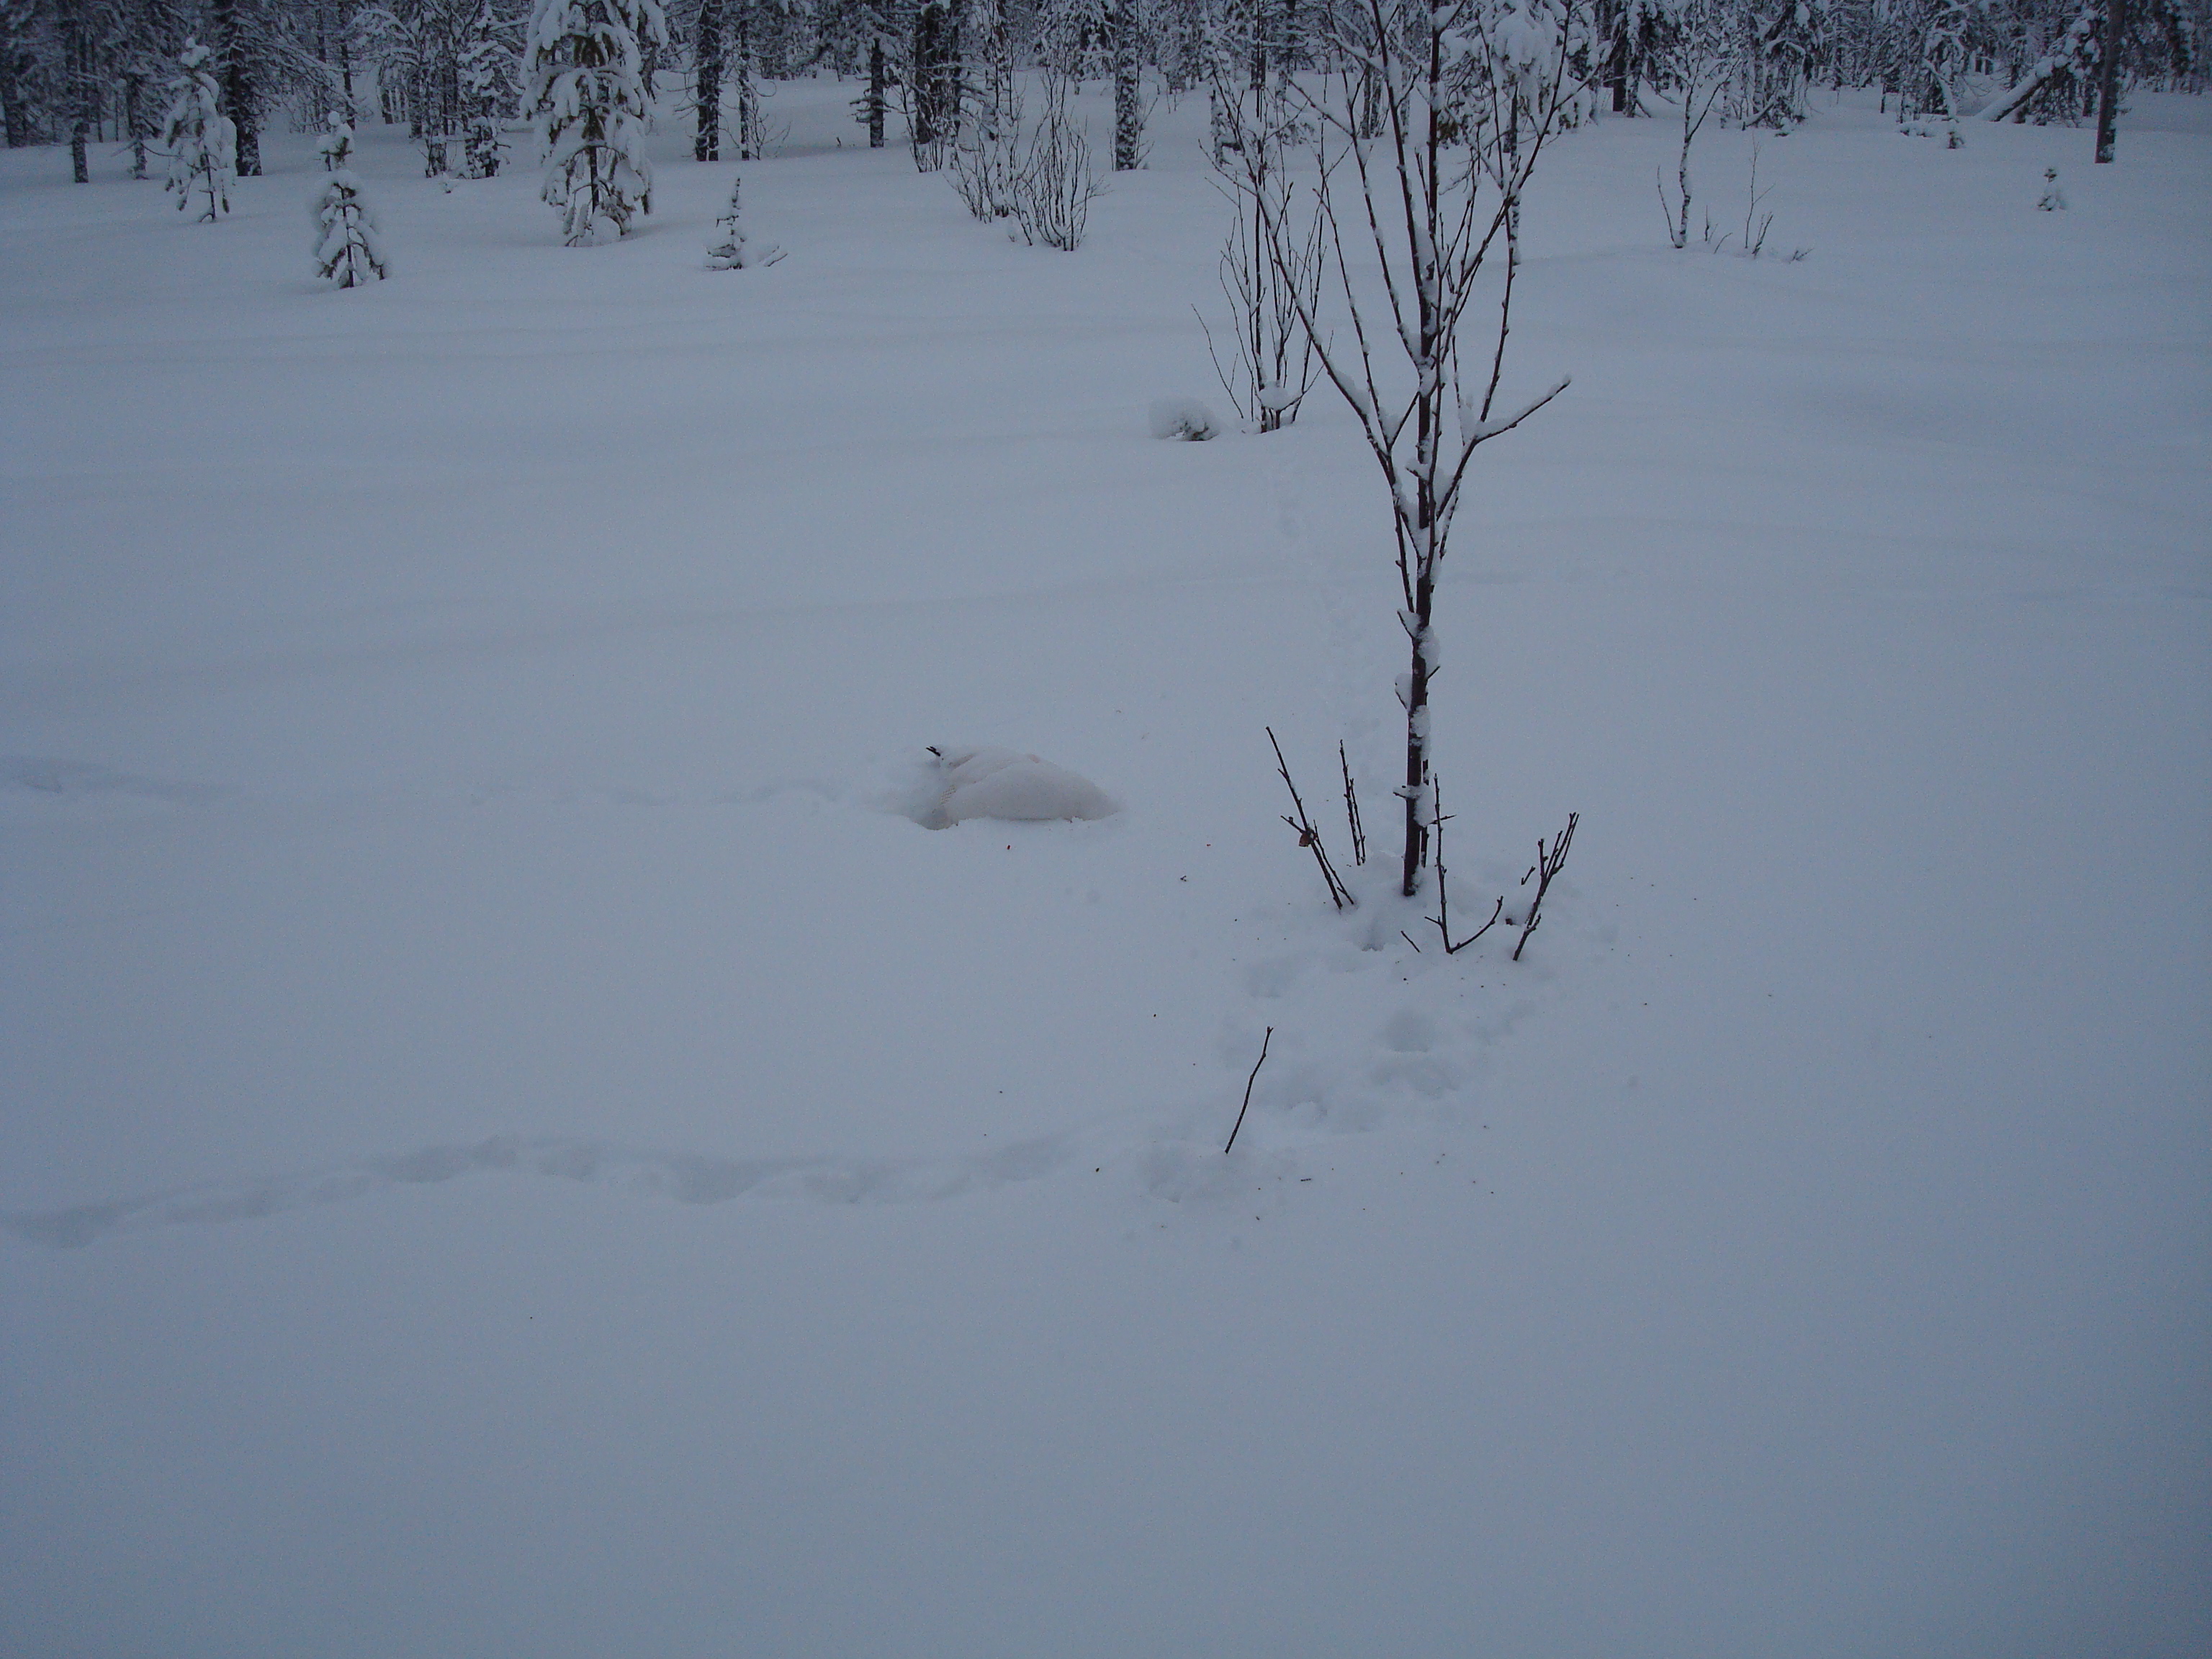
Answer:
[(36, 789), (683, 1177)]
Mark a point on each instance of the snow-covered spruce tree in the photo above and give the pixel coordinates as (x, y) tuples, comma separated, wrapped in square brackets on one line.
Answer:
[(589, 97), (1771, 59), (490, 91), (201, 140), (347, 251), (1416, 217)]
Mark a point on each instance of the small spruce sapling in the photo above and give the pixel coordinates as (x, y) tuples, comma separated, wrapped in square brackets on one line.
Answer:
[(733, 251), (348, 251), (202, 141)]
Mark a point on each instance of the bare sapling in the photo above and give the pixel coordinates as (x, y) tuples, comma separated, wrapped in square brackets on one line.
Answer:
[(1550, 860), (1267, 265), (1426, 131), (1698, 77), (1352, 807), (1443, 918), (1755, 224)]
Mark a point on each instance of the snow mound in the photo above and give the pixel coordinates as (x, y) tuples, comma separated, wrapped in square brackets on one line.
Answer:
[(1002, 783), (1183, 417)]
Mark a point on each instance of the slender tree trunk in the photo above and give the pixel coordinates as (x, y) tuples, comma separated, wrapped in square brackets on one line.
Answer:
[(1128, 90), (706, 81), (878, 92), (345, 62), (2108, 76), (749, 111), (1612, 30), (134, 122), (76, 54)]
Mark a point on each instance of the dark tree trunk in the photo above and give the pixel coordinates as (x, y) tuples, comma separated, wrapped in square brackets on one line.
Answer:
[(1612, 30), (238, 91), (136, 122), (878, 92), (933, 59), (17, 119), (2108, 76), (706, 81), (1129, 89)]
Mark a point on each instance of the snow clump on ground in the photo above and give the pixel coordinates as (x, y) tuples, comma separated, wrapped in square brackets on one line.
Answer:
[(1002, 783)]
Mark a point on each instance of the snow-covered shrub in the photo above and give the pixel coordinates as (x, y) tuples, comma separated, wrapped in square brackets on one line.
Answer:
[(1052, 202), (347, 251), (1183, 418), (202, 142), (986, 162), (1037, 175), (586, 60), (1003, 783)]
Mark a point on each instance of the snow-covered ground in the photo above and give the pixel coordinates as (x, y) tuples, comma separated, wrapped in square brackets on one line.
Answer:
[(512, 1144)]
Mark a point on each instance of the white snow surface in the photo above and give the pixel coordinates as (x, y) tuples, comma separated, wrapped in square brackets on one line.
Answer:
[(515, 1143)]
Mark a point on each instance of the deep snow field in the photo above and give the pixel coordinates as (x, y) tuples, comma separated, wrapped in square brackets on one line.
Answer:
[(512, 1145)]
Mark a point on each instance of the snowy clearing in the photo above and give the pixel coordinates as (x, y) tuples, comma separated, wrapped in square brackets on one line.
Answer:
[(517, 1143)]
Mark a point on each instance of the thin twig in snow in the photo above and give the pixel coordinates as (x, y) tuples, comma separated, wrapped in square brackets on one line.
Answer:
[(1248, 1082)]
